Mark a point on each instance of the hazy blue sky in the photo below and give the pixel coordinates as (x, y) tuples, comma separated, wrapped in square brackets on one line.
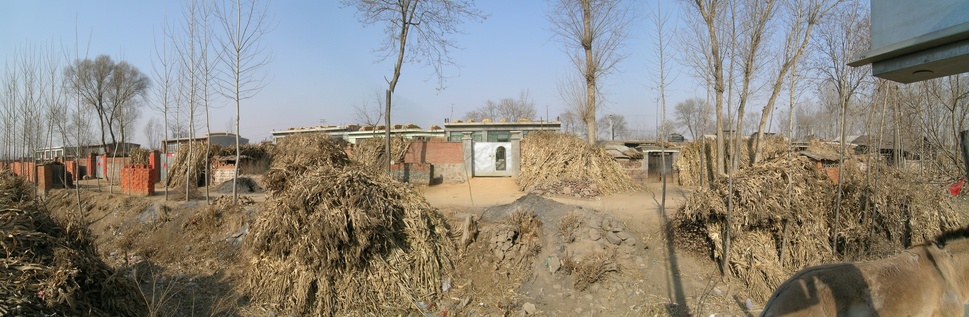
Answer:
[(324, 61)]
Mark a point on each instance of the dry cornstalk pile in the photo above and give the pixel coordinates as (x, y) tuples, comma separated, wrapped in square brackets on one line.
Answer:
[(339, 239), (549, 160), (689, 166), (139, 156), (875, 219), (255, 152), (370, 152), (689, 162), (186, 160), (46, 270)]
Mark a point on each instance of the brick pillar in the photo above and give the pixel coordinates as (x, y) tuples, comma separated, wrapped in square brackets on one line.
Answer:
[(468, 155), (154, 161), (92, 165), (45, 179)]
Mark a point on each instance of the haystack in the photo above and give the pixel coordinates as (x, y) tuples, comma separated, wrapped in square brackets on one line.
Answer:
[(689, 162), (370, 152), (340, 239), (47, 270), (188, 166), (139, 156), (876, 219), (562, 163)]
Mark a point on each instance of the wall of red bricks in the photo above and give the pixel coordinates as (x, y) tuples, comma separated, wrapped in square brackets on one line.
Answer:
[(26, 170), (45, 178), (435, 152), (154, 161), (136, 179)]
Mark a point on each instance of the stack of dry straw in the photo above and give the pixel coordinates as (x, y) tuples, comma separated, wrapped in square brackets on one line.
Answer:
[(341, 239), (46, 270), (770, 223), (556, 158)]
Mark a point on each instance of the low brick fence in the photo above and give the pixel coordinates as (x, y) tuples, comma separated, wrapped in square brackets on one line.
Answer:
[(137, 179)]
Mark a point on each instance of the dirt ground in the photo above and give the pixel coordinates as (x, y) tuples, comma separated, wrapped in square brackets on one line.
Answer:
[(653, 279), (186, 255)]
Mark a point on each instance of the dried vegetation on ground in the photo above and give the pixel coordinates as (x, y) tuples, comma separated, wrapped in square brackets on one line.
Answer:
[(50, 267), (784, 213), (338, 239)]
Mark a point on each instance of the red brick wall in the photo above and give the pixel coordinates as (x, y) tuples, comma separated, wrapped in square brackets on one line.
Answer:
[(26, 170), (435, 152), (154, 161), (136, 180), (71, 167), (45, 178)]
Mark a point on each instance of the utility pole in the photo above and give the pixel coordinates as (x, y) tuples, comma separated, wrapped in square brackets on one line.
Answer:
[(612, 128)]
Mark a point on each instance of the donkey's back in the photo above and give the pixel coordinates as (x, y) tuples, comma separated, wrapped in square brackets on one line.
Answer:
[(917, 282)]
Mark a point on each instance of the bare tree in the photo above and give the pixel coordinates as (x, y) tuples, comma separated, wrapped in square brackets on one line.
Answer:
[(433, 22), (507, 108), (837, 42), (370, 111), (802, 16), (163, 67), (127, 88), (107, 87), (152, 131), (613, 126), (692, 113), (572, 91), (243, 56), (711, 14), (594, 32), (571, 123)]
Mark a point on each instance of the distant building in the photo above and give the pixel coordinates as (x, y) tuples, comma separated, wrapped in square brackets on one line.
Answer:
[(353, 133), (495, 131), (220, 138), (57, 152)]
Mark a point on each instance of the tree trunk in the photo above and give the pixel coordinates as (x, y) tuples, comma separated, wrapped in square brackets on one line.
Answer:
[(590, 72)]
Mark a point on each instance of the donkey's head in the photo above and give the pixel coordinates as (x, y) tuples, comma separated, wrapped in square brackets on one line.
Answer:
[(955, 245)]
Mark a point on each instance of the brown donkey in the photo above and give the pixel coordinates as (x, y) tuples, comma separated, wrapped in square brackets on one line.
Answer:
[(926, 280)]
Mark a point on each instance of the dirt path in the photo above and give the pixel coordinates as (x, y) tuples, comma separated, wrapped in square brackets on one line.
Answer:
[(655, 279)]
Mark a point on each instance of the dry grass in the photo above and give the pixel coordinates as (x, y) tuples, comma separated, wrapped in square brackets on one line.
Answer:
[(188, 166), (877, 218), (567, 226), (370, 152), (139, 156), (593, 269), (557, 158), (689, 162), (529, 231), (339, 239), (50, 267)]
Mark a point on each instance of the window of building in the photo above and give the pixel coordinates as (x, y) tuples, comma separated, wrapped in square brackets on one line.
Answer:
[(455, 137), (499, 136)]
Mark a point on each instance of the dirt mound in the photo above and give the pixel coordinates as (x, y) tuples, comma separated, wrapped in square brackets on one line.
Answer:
[(242, 184), (338, 239), (537, 244), (562, 163), (776, 231), (46, 269)]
